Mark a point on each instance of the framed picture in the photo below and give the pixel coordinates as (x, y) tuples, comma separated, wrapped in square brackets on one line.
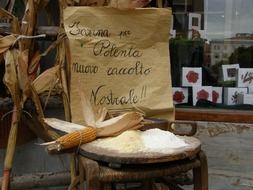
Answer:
[(244, 77), (194, 21), (180, 95), (217, 95), (231, 95), (191, 76), (201, 93), (229, 72)]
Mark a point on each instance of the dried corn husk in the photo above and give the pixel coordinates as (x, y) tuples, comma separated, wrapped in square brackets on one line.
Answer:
[(46, 80), (10, 76), (6, 42), (22, 68), (91, 114), (119, 124), (61, 125), (33, 68), (101, 114), (88, 112)]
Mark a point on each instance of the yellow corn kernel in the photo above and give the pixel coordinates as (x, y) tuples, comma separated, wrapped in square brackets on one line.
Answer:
[(77, 138)]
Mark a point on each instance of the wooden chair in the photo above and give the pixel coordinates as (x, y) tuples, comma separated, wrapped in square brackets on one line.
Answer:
[(96, 175)]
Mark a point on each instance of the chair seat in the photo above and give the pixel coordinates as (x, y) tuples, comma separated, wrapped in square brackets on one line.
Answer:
[(97, 174)]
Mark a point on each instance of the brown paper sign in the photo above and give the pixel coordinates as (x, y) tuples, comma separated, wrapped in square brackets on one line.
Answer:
[(120, 59)]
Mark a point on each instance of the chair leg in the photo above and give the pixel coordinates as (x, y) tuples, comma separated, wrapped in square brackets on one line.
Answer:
[(81, 175), (107, 186), (200, 174), (91, 174), (148, 184), (74, 183)]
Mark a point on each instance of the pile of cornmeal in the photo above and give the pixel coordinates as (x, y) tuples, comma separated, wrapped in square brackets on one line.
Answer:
[(133, 141)]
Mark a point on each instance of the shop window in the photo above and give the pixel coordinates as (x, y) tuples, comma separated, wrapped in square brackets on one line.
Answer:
[(218, 51)]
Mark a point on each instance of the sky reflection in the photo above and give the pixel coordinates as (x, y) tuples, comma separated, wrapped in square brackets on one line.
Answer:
[(225, 18)]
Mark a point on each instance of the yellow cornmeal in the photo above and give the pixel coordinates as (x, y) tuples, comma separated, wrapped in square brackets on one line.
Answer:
[(127, 142)]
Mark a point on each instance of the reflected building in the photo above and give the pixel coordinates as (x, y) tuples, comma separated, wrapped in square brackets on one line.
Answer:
[(221, 49)]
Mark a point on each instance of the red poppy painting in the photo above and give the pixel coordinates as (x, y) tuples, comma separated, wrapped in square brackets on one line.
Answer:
[(192, 76)]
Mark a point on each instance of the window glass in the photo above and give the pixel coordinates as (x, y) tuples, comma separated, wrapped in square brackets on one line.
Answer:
[(211, 50)]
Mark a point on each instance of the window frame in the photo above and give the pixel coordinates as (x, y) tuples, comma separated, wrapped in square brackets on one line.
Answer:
[(214, 115)]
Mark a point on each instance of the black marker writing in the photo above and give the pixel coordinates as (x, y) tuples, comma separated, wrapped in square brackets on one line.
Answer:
[(75, 30), (85, 69), (107, 49), (137, 69), (104, 96)]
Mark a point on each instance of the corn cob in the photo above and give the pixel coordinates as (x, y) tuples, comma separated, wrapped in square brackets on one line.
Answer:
[(78, 134), (75, 138)]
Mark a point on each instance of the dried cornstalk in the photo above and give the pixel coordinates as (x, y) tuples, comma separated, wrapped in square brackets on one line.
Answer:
[(16, 76), (29, 22), (61, 55), (11, 81), (10, 148)]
